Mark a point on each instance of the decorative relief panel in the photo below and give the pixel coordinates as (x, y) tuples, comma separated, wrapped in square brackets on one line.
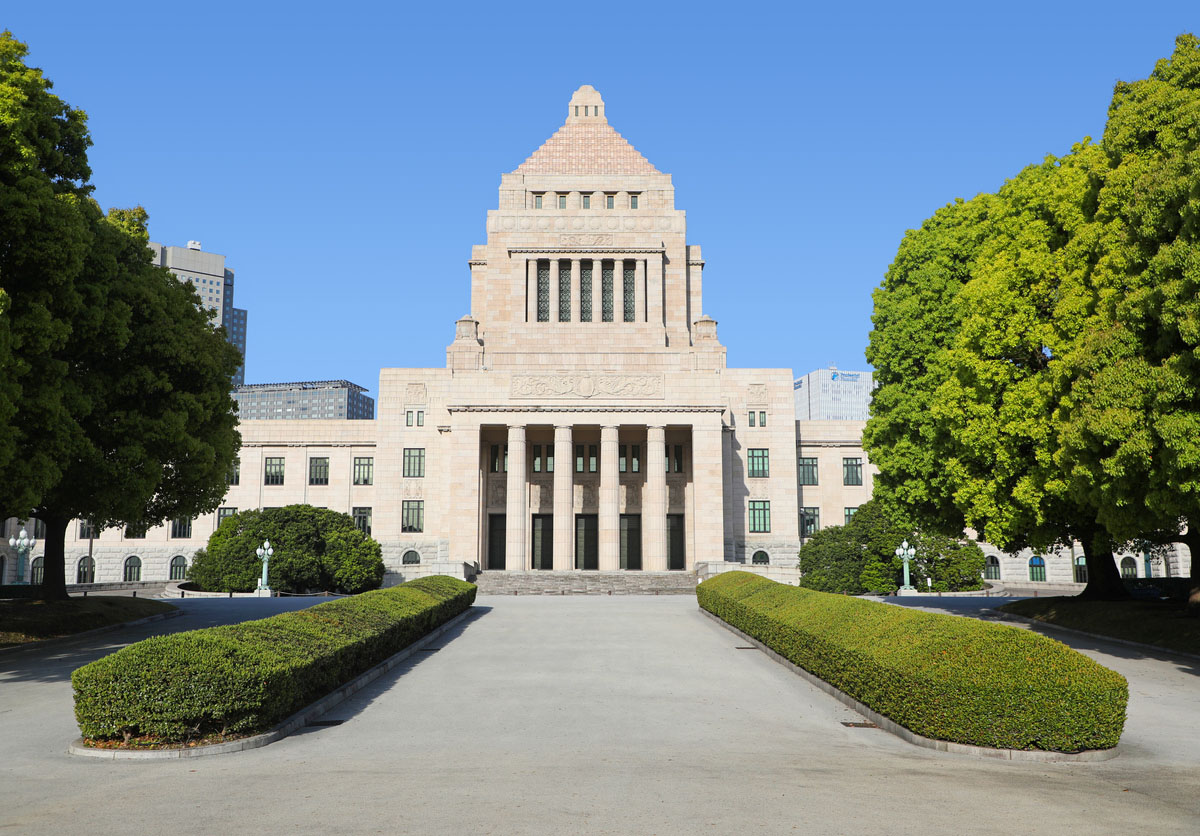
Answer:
[(631, 498), (587, 386), (411, 489), (756, 393), (675, 494), (497, 493), (591, 496), (414, 393), (585, 239)]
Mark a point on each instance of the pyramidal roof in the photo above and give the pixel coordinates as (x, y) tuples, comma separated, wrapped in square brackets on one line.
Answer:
[(586, 144)]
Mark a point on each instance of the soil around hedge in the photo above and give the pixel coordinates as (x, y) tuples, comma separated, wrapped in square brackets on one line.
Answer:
[(29, 620), (1164, 624)]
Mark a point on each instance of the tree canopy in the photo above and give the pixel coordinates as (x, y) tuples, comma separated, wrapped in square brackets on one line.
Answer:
[(1036, 347)]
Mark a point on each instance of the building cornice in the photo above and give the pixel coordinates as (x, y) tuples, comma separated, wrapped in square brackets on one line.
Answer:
[(674, 408), (585, 251)]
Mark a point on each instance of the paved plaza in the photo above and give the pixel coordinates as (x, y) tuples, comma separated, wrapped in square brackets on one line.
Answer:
[(591, 715)]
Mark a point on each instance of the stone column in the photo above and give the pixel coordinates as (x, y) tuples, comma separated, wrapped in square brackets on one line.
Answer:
[(654, 502), (515, 511), (530, 290), (576, 298), (709, 489), (466, 492), (554, 268), (564, 517), (639, 284), (654, 290), (597, 285), (610, 498), (618, 290)]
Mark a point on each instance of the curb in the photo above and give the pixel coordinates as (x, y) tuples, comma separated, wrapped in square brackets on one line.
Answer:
[(162, 616), (284, 728), (1008, 616), (1028, 755)]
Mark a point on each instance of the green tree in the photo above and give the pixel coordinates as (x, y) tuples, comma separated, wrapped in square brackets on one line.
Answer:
[(315, 550), (156, 426), (44, 240)]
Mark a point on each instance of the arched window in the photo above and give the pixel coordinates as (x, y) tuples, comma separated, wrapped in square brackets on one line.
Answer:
[(761, 558), (1128, 567), (992, 570), (1081, 569), (85, 570), (410, 557), (133, 568), (37, 571), (1037, 568), (178, 568)]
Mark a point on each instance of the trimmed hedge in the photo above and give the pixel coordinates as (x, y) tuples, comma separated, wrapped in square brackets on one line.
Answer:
[(245, 678), (941, 676)]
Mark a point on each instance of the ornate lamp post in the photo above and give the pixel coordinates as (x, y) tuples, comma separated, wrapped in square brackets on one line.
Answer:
[(264, 553), (23, 544), (906, 553)]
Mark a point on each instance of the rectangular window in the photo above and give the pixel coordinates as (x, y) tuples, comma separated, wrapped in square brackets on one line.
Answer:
[(562, 201), (587, 201), (408, 418), (585, 291), (762, 419), (633, 201), (414, 461), (537, 458), (235, 472), (606, 291), (564, 291), (543, 291), (679, 458), (592, 458), (273, 471), (420, 418), (181, 528), (629, 299), (621, 458), (362, 519), (851, 471), (806, 470), (849, 514), (412, 516), (760, 516), (135, 532), (636, 460), (39, 529), (752, 416), (318, 471), (579, 458), (760, 463), (495, 459), (224, 514), (364, 470), (86, 530), (810, 521), (610, 201), (537, 201)]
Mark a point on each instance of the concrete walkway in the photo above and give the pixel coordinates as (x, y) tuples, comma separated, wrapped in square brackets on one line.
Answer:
[(564, 715)]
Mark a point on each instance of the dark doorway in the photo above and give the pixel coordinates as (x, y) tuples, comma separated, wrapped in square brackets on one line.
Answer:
[(543, 541), (496, 531), (675, 542), (587, 541), (631, 541)]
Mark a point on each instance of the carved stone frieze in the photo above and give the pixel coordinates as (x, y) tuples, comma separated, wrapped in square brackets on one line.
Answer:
[(414, 393), (412, 489), (587, 386), (631, 498), (586, 239), (497, 493), (756, 394)]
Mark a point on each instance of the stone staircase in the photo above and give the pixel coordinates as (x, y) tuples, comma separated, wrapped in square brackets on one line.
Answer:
[(586, 583)]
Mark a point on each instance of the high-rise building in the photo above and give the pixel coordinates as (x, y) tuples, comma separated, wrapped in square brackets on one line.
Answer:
[(207, 273), (833, 395), (338, 399)]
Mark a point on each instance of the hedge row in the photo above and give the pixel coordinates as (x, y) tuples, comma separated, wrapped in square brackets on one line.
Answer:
[(941, 676), (247, 677)]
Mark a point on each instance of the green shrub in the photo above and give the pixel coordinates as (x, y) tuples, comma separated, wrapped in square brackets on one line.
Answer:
[(316, 550), (247, 677), (941, 676)]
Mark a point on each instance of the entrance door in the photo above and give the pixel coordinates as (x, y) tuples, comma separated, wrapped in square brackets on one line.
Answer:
[(587, 541), (631, 541), (675, 541), (543, 541), (496, 532)]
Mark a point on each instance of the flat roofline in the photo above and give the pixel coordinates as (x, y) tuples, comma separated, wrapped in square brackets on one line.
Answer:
[(304, 384)]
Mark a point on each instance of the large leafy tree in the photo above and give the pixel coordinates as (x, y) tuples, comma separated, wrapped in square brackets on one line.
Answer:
[(150, 386)]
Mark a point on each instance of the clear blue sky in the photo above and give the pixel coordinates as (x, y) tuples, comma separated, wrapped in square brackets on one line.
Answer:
[(343, 157)]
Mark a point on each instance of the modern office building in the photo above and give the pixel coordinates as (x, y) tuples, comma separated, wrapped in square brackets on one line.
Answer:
[(309, 399), (833, 395), (207, 273)]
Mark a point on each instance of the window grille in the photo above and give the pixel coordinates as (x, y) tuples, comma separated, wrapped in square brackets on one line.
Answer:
[(630, 299), (761, 558), (606, 291), (564, 291), (543, 291), (585, 291)]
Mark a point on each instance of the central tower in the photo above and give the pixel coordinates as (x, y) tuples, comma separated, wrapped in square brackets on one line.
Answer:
[(586, 263)]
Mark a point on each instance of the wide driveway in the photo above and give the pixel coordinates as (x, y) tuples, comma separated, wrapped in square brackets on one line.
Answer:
[(563, 715)]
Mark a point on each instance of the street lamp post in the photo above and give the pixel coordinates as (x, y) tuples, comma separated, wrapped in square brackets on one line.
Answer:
[(23, 544), (906, 553), (264, 553)]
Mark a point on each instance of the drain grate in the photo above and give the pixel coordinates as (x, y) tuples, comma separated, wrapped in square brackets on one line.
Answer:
[(429, 649), (324, 723), (745, 647), (863, 725)]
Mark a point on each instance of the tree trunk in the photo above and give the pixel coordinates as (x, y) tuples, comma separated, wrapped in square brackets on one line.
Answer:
[(54, 564), (1104, 580), (1192, 541)]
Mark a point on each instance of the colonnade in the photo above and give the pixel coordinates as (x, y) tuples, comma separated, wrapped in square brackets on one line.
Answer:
[(568, 272)]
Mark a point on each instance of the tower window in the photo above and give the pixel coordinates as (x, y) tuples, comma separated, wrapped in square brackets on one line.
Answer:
[(564, 291), (629, 300), (606, 290), (562, 201), (543, 291), (587, 201), (585, 291), (537, 201), (610, 201), (633, 201)]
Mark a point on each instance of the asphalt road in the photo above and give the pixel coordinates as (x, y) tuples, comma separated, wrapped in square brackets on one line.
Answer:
[(563, 715)]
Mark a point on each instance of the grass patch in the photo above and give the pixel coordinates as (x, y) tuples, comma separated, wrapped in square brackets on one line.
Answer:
[(23, 621), (1162, 624)]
